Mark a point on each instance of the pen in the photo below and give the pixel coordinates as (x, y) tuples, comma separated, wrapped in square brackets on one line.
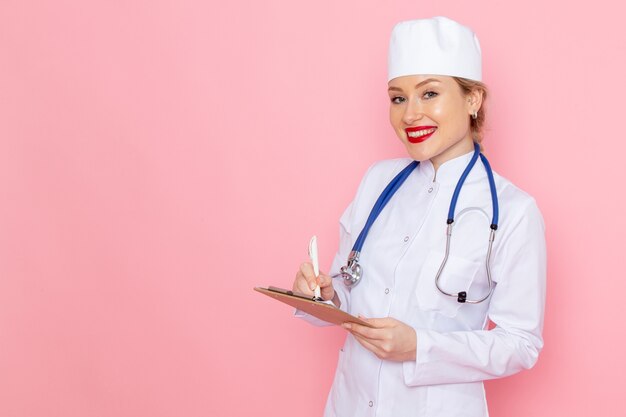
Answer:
[(316, 265)]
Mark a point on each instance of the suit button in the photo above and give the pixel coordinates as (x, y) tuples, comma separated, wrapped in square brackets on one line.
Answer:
[(371, 404), (386, 290)]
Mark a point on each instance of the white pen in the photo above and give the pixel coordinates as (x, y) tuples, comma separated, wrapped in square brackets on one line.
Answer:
[(316, 264)]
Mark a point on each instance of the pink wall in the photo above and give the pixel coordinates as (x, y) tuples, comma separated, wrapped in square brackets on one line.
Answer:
[(160, 158)]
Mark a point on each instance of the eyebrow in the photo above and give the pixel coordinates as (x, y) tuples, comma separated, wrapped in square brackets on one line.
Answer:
[(426, 81)]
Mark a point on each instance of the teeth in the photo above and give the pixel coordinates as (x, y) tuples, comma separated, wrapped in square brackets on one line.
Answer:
[(420, 133)]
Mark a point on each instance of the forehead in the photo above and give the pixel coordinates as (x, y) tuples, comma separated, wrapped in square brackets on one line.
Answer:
[(410, 82)]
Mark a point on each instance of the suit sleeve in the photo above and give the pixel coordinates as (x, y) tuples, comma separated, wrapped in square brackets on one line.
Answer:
[(346, 240), (516, 307)]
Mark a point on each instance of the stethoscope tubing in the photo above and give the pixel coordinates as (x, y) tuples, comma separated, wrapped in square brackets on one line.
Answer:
[(352, 271), (381, 202)]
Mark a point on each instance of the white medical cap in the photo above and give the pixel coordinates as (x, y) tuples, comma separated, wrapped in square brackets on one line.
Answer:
[(438, 46)]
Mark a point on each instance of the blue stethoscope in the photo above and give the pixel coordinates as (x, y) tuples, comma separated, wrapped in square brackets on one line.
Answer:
[(352, 271)]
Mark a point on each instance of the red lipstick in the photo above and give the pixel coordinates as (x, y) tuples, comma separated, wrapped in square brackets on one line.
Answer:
[(420, 138)]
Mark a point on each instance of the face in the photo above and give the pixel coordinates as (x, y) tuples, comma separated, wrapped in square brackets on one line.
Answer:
[(431, 116)]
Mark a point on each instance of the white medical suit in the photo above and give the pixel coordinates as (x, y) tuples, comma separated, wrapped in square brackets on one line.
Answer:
[(400, 259)]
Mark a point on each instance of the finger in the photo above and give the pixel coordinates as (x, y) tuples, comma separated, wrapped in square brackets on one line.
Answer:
[(300, 284), (379, 323), (368, 345), (328, 293), (324, 280), (326, 285), (366, 332), (309, 274)]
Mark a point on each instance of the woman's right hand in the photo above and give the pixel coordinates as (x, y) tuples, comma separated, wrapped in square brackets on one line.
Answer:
[(306, 281)]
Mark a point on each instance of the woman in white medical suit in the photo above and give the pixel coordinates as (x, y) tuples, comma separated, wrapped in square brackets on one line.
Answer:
[(428, 353)]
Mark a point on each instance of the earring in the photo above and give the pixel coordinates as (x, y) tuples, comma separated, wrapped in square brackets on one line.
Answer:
[(475, 115)]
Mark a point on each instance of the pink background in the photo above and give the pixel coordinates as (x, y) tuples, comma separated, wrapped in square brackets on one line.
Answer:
[(158, 159)]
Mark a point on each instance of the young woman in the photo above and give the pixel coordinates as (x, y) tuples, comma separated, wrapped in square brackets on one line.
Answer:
[(433, 247)]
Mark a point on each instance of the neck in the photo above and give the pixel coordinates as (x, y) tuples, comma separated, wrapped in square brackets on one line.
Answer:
[(462, 147)]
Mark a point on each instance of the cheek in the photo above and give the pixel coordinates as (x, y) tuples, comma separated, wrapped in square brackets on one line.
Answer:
[(448, 116), (395, 116), (438, 111)]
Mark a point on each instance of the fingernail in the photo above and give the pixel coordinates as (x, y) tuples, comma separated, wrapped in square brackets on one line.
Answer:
[(312, 285), (347, 326)]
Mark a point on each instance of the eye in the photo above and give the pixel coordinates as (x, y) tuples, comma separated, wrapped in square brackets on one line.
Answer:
[(430, 94), (397, 100)]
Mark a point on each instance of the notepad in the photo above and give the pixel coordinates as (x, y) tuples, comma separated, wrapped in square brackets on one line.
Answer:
[(308, 304)]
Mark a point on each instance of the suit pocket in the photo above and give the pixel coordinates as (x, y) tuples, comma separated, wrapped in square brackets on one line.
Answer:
[(457, 276)]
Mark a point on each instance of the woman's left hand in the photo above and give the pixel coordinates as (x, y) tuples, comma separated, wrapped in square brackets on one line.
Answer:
[(389, 339)]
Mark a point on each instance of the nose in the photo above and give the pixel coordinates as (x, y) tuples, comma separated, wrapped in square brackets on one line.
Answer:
[(412, 112)]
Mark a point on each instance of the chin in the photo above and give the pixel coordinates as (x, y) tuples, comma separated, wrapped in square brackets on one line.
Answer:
[(420, 151), (418, 156)]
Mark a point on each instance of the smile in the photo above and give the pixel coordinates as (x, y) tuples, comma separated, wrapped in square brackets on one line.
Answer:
[(419, 134)]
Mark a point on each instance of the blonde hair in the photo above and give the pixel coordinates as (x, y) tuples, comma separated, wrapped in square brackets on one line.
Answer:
[(476, 125)]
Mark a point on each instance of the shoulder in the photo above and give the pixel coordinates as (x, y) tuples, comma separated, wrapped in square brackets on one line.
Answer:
[(373, 182), (384, 170), (378, 176)]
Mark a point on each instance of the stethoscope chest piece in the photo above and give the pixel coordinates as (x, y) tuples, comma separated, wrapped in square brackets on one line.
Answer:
[(351, 273)]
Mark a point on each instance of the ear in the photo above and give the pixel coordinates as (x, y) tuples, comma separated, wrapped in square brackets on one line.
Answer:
[(474, 100)]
